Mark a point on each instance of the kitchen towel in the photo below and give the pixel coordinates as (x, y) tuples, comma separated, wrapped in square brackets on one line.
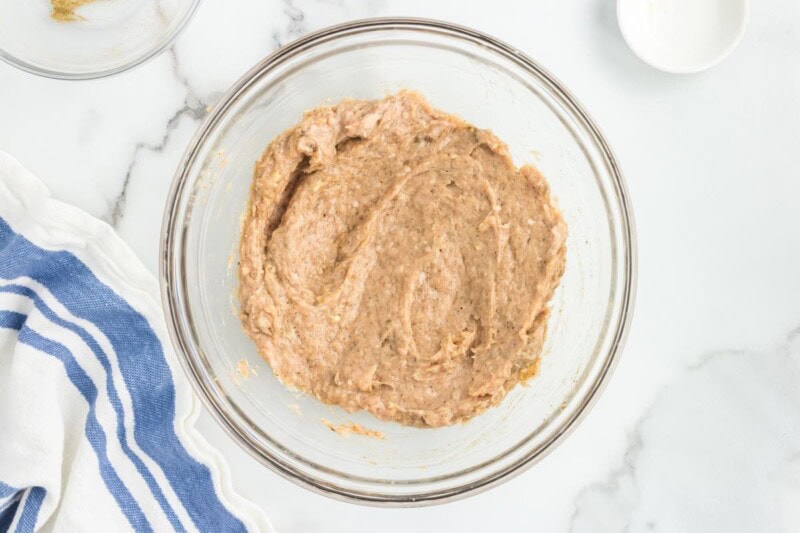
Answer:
[(96, 417)]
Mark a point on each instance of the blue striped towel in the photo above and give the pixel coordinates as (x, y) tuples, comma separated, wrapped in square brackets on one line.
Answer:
[(96, 417)]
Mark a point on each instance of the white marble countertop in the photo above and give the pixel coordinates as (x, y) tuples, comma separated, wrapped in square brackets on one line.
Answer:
[(699, 429)]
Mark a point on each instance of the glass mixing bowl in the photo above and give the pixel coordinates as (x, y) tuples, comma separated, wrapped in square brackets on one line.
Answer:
[(104, 37), (491, 85)]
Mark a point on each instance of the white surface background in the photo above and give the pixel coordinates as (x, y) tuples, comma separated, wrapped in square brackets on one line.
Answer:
[(699, 429)]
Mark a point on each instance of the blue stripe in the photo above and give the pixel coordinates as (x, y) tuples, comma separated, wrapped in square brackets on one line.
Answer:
[(5, 489), (94, 433), (6, 504), (30, 513), (12, 320), (142, 364), (7, 515), (9, 501), (110, 390), (8, 495)]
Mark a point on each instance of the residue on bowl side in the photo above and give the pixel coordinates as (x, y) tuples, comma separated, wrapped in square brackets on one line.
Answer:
[(533, 370), (351, 428), (64, 10), (244, 369)]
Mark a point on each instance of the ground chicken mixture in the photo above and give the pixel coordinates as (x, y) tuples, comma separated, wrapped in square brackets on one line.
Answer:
[(394, 260)]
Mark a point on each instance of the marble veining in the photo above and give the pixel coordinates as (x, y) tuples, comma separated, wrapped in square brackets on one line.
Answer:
[(192, 108), (295, 27), (719, 450), (698, 430)]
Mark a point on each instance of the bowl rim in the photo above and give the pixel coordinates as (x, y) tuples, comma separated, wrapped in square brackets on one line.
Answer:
[(165, 42), (170, 224)]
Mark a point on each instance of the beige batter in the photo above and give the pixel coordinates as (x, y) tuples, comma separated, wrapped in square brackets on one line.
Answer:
[(394, 260)]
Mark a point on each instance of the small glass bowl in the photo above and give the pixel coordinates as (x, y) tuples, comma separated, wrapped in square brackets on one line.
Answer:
[(492, 86), (105, 37)]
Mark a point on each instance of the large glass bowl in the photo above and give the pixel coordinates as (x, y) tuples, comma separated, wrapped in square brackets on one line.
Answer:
[(491, 85)]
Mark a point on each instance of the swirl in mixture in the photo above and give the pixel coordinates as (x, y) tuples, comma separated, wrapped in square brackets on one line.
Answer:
[(394, 260)]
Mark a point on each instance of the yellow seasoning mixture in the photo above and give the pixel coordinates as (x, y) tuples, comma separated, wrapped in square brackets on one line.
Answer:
[(64, 10)]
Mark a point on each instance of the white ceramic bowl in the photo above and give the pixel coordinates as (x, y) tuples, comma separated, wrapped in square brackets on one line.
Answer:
[(682, 36)]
